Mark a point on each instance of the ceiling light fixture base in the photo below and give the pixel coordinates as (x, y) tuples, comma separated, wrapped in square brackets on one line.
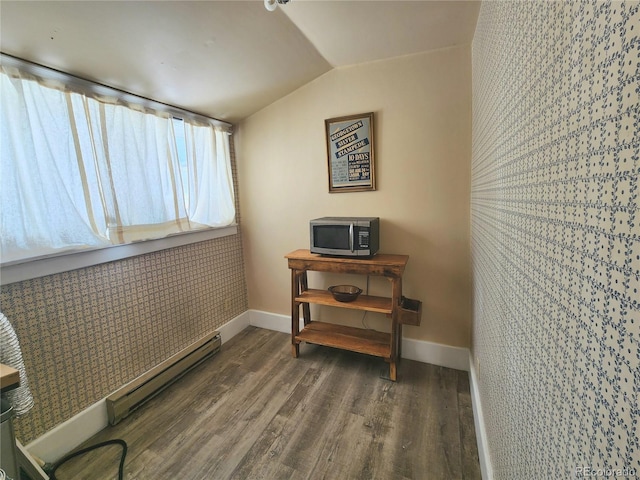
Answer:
[(271, 5)]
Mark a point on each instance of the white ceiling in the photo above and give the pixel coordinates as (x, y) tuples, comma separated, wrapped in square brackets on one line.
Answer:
[(226, 59)]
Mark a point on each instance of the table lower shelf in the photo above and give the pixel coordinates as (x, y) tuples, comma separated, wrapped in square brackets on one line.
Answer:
[(359, 340)]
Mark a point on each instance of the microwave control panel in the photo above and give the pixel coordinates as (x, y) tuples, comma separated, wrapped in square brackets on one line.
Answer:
[(363, 237)]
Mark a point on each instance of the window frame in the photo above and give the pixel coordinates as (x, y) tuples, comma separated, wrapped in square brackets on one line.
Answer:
[(64, 262)]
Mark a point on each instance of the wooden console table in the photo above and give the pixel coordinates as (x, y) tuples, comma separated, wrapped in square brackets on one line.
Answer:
[(385, 345)]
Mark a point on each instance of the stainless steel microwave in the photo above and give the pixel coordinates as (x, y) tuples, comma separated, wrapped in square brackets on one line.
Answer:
[(345, 236)]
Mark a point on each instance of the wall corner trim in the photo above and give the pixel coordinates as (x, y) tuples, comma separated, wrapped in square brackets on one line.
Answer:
[(478, 418)]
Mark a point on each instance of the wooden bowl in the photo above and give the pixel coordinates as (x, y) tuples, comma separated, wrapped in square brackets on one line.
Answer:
[(345, 293)]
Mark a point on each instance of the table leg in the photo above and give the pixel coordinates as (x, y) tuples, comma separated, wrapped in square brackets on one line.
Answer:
[(396, 327), (295, 314), (304, 286)]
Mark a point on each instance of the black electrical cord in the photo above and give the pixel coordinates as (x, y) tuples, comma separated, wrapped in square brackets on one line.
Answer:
[(122, 443)]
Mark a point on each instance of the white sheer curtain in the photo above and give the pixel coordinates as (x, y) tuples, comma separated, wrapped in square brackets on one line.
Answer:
[(206, 150), (136, 163), (80, 171), (42, 196)]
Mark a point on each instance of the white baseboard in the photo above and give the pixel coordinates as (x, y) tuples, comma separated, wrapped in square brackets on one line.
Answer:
[(63, 438), (436, 354), (234, 327), (419, 350), (271, 321), (478, 418)]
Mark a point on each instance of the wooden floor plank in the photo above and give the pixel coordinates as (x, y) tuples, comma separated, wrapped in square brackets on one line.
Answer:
[(254, 412)]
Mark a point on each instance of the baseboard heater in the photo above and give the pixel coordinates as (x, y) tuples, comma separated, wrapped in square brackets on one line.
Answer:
[(134, 394)]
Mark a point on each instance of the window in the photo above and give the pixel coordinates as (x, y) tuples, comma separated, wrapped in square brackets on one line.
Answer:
[(84, 167)]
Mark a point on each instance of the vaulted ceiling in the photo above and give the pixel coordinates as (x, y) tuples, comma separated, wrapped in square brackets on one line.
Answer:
[(225, 59)]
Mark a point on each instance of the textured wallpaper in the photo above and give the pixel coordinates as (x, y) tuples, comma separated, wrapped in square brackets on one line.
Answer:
[(85, 333), (556, 237)]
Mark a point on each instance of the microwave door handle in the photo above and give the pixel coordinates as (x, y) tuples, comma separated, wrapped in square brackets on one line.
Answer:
[(351, 237)]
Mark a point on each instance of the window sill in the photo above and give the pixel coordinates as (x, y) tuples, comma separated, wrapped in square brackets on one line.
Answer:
[(71, 261)]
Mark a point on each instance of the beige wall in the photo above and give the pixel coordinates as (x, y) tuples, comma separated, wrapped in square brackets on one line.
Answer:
[(422, 106)]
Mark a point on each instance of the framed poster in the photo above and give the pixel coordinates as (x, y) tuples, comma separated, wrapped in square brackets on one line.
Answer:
[(350, 153)]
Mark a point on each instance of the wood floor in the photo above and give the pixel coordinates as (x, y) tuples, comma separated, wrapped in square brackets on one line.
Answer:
[(254, 412)]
